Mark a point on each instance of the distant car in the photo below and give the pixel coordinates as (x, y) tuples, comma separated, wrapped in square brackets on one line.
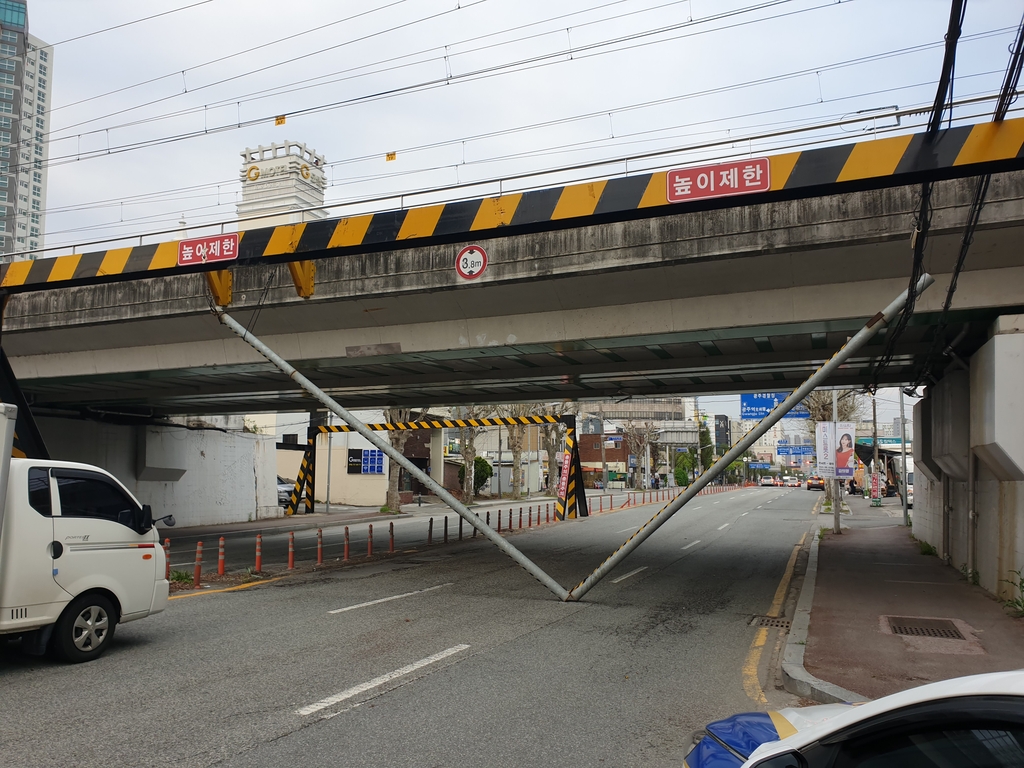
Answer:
[(968, 721), (779, 482), (792, 482), (815, 483), (284, 491), (767, 480)]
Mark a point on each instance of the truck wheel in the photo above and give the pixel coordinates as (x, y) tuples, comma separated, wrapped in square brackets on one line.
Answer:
[(84, 629)]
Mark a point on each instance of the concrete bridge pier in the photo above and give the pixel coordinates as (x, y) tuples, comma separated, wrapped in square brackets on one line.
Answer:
[(969, 441), (200, 475)]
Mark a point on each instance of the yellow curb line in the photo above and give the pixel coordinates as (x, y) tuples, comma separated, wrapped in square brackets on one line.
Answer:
[(751, 684), (198, 592)]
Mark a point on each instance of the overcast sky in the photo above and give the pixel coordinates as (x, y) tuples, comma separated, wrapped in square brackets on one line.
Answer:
[(468, 91)]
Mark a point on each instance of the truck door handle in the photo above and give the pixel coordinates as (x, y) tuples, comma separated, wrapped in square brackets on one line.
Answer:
[(57, 549)]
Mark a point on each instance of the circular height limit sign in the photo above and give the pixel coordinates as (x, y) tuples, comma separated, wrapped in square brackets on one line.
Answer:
[(471, 262)]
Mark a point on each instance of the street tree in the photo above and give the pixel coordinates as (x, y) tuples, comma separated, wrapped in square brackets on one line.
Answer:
[(467, 444), (398, 438), (516, 437), (639, 435)]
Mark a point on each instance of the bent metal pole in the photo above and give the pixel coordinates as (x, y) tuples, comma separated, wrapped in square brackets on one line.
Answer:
[(394, 454), (873, 326)]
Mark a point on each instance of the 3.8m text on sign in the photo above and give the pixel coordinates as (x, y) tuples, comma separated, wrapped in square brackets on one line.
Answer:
[(741, 177)]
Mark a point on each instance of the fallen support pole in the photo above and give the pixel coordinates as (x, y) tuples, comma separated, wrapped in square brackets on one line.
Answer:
[(873, 326), (385, 445)]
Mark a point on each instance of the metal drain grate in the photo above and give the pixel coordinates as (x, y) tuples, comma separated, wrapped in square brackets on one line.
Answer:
[(914, 627), (770, 621)]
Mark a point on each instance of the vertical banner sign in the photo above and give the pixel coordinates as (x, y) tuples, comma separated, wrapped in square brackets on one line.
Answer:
[(826, 441), (563, 481), (846, 457)]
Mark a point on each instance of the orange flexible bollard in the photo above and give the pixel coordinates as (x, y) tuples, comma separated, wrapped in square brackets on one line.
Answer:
[(220, 557), (547, 513), (319, 546), (391, 537), (460, 528), (499, 520), (345, 557), (197, 577), (291, 550), (430, 531), (510, 520), (167, 559), (259, 553), (520, 519), (369, 541), (446, 529), (529, 518)]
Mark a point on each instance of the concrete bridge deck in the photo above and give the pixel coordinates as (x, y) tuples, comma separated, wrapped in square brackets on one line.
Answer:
[(740, 298)]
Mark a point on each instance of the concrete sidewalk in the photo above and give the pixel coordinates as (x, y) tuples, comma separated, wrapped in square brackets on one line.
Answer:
[(842, 645)]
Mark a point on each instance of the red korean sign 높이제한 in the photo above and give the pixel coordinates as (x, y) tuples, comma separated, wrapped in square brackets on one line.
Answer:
[(741, 177), (201, 250)]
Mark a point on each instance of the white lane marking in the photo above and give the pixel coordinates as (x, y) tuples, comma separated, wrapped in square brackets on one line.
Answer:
[(723, 526), (634, 528), (696, 507), (693, 544), (631, 573), (744, 514), (759, 506), (389, 599), (379, 681), (717, 502)]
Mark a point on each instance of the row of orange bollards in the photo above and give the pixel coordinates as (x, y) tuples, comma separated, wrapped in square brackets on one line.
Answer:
[(197, 574)]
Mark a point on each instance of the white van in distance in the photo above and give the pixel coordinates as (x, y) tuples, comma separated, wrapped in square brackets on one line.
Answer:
[(78, 554)]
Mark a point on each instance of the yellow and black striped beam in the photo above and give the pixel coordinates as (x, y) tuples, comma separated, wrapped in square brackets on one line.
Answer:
[(955, 152), (453, 423)]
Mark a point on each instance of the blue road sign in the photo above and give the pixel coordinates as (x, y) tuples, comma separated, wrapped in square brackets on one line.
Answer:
[(756, 465), (795, 450), (760, 404)]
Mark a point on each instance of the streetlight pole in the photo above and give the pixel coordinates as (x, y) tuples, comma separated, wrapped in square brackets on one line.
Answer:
[(604, 460), (903, 450)]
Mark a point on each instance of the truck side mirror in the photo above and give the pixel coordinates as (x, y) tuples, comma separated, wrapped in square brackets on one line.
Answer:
[(145, 519)]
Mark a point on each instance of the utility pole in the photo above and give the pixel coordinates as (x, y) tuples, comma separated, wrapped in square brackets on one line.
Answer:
[(696, 413), (903, 449), (604, 461), (874, 460), (836, 482), (330, 442)]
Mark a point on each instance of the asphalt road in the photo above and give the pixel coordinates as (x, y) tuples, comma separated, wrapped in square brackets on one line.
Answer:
[(453, 656)]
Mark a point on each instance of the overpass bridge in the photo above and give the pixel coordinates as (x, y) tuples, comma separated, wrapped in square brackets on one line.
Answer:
[(594, 290)]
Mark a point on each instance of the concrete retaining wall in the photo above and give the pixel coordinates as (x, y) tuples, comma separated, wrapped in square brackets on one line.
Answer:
[(223, 477)]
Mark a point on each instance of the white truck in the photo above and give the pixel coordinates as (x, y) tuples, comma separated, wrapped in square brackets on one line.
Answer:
[(78, 554)]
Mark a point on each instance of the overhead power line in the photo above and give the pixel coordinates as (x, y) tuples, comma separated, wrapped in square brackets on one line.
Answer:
[(126, 24), (484, 73)]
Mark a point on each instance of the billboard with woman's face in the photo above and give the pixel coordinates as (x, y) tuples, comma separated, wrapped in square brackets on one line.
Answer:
[(846, 457)]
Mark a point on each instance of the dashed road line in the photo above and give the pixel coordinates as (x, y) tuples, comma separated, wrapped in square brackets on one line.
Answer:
[(389, 599), (635, 527), (379, 681), (692, 544), (744, 514), (631, 573), (722, 527)]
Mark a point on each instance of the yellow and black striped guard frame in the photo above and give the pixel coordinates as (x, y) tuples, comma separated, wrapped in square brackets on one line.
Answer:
[(874, 163)]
